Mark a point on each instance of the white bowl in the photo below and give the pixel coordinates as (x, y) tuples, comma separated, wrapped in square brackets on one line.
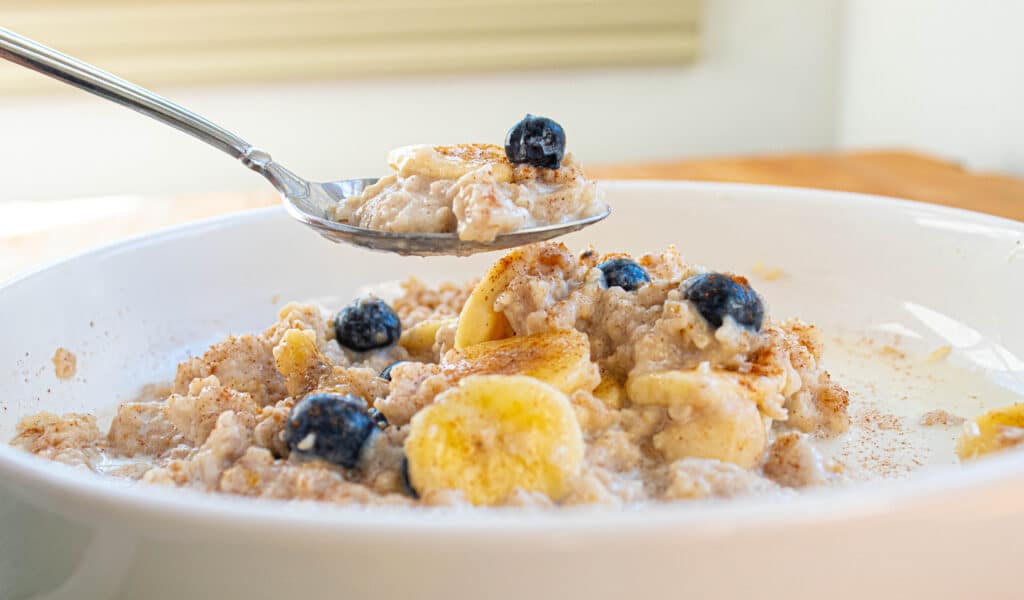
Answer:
[(132, 310)]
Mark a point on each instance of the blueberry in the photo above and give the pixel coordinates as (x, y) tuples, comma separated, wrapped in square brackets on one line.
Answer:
[(623, 273), (386, 373), (377, 417), (536, 141), (716, 296), (366, 324), (405, 478), (329, 426)]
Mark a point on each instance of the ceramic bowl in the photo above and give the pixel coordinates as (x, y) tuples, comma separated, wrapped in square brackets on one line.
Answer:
[(132, 310)]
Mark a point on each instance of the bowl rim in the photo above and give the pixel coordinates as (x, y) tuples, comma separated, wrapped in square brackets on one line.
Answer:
[(34, 476)]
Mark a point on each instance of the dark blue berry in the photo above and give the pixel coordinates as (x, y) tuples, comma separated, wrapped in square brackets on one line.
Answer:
[(716, 296), (536, 141), (329, 426), (377, 417), (623, 273), (366, 324), (386, 373), (405, 478)]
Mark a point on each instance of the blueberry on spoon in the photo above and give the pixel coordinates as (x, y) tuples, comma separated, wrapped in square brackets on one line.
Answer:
[(536, 141)]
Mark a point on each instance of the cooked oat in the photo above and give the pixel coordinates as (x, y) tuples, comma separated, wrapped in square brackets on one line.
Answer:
[(65, 363), (940, 417), (756, 404), (471, 190)]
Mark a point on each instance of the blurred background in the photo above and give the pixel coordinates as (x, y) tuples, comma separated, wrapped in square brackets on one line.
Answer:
[(329, 86)]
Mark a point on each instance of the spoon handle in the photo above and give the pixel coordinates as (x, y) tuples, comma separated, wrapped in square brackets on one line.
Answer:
[(46, 60)]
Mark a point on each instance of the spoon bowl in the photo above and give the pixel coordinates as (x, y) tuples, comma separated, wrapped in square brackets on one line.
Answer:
[(313, 209)]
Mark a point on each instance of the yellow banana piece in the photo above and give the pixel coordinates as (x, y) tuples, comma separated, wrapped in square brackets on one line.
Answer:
[(492, 435), (558, 358), (450, 162), (297, 357), (713, 416), (611, 392), (703, 385), (693, 388), (995, 430), (419, 339), (478, 321), (732, 430)]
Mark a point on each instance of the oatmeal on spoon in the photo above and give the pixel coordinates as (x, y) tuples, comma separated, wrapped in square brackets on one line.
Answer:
[(479, 191)]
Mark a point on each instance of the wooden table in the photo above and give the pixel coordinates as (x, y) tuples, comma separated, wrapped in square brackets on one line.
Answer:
[(24, 243)]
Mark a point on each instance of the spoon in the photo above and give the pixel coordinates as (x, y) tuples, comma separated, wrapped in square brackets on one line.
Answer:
[(308, 201)]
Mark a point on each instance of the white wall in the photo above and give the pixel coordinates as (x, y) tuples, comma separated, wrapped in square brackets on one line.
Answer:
[(766, 82), (943, 76)]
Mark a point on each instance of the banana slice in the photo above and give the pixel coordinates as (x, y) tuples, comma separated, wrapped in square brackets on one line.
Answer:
[(478, 321), (610, 391), (558, 358), (694, 388), (419, 339), (450, 162), (704, 385), (731, 431), (297, 357), (492, 435), (995, 430), (712, 416)]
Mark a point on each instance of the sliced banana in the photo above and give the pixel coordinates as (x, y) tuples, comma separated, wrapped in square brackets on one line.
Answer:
[(704, 385), (611, 392), (297, 357), (559, 358), (493, 435), (419, 339), (478, 321), (995, 430), (712, 416), (450, 162), (695, 388), (731, 431)]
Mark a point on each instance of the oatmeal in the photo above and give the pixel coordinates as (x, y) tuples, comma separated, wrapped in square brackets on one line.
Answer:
[(556, 379), (939, 417), (478, 191), (65, 363)]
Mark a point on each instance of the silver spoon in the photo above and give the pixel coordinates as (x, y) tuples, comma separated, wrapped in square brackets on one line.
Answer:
[(309, 202)]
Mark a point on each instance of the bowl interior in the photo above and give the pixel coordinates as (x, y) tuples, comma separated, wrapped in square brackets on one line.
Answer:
[(131, 311)]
